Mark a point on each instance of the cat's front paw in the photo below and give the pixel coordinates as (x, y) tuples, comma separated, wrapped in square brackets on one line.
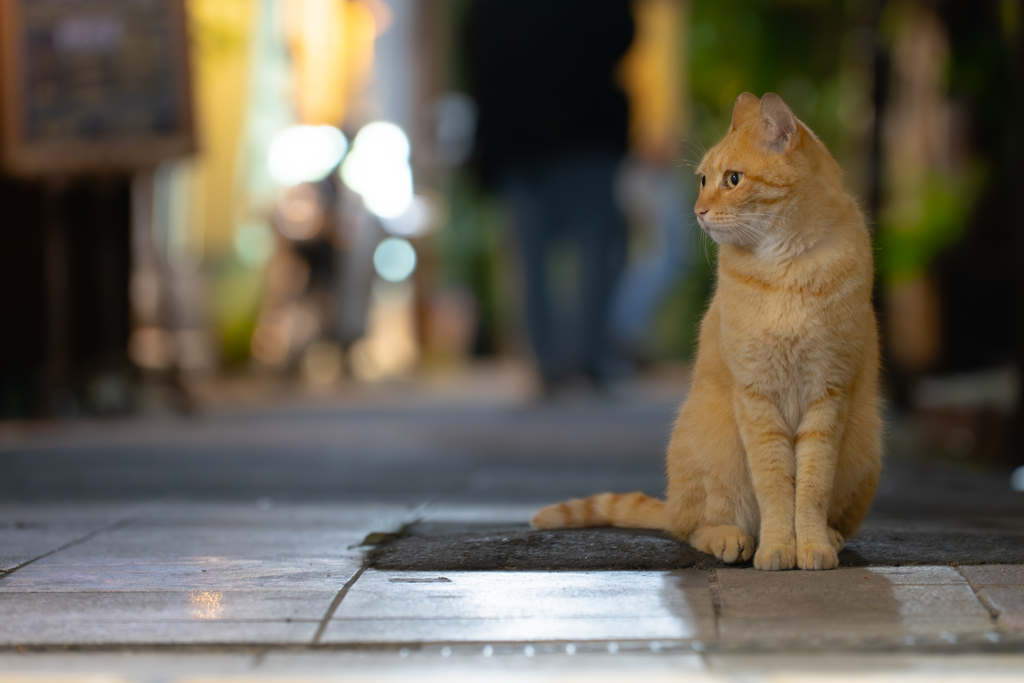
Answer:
[(726, 542), (817, 556), (775, 557)]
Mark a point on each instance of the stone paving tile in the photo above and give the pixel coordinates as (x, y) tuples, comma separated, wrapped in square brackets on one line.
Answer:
[(67, 515), (31, 609), (994, 575), (53, 574), (157, 633), (866, 666), (843, 576), (216, 541), (29, 531), (847, 603), (514, 629), (815, 631), (414, 663), (268, 513), (492, 595), (18, 546), (142, 667), (482, 606), (1002, 587), (1009, 602), (880, 602)]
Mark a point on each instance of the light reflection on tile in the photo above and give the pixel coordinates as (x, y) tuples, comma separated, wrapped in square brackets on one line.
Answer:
[(206, 605), (34, 608), (473, 606), (54, 574)]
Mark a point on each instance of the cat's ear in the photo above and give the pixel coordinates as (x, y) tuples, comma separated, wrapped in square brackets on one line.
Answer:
[(778, 124), (744, 107)]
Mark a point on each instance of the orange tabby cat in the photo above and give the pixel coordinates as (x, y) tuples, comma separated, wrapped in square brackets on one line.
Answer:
[(779, 438)]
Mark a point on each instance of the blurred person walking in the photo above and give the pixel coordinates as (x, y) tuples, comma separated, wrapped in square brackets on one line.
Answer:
[(553, 128)]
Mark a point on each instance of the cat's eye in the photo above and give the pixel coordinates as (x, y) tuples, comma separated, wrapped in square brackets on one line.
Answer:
[(703, 180), (732, 178)]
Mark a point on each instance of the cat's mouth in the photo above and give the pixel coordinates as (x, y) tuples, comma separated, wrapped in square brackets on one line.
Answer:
[(710, 228)]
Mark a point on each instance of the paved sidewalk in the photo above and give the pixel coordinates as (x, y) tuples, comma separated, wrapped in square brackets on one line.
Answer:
[(227, 547), (286, 576)]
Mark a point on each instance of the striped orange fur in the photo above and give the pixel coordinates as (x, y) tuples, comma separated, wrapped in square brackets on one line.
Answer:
[(780, 437)]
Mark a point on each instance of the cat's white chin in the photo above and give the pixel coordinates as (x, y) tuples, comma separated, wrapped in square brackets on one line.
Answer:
[(723, 236)]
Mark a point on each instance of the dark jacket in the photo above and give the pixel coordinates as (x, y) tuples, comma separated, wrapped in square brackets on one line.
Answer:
[(543, 76)]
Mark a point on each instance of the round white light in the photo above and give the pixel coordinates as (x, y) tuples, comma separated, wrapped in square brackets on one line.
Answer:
[(378, 169), (394, 259), (1017, 479), (383, 139), (305, 154)]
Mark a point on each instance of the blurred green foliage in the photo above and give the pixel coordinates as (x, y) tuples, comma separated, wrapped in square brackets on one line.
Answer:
[(815, 54), (911, 234), (791, 48)]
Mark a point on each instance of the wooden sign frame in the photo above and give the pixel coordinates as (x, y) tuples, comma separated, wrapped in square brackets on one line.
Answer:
[(22, 153)]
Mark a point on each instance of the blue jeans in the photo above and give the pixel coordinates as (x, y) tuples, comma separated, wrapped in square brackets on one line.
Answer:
[(568, 201)]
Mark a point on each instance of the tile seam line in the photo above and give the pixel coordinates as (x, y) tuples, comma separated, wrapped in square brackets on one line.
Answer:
[(122, 521), (336, 603), (715, 590), (993, 612)]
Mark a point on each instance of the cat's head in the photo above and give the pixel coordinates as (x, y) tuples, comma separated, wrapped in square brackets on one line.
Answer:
[(766, 167)]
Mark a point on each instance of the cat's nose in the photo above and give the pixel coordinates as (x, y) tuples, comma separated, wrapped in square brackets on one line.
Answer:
[(702, 212)]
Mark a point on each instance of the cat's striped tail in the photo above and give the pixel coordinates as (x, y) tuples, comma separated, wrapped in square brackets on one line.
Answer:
[(631, 510)]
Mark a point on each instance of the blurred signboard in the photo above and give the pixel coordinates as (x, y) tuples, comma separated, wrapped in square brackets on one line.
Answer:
[(92, 85)]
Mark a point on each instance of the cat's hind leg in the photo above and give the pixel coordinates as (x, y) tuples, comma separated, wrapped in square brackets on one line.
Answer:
[(726, 542)]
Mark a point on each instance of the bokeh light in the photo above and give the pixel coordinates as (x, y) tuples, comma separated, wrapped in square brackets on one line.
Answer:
[(394, 259), (305, 154), (300, 212), (378, 169)]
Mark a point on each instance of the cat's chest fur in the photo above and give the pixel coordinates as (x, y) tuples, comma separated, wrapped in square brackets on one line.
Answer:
[(789, 340)]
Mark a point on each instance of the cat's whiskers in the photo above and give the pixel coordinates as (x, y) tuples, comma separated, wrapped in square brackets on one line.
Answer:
[(705, 240)]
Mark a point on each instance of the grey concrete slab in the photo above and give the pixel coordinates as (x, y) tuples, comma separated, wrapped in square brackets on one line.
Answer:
[(492, 595), (211, 573), (139, 667), (205, 541), (994, 575), (844, 577), (416, 663), (412, 631), (19, 545), (30, 609), (847, 604), (30, 531), (939, 602), (269, 513), (490, 606), (1008, 601), (158, 633), (814, 632), (1002, 588), (863, 666), (86, 515), (918, 576), (847, 593), (390, 665)]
